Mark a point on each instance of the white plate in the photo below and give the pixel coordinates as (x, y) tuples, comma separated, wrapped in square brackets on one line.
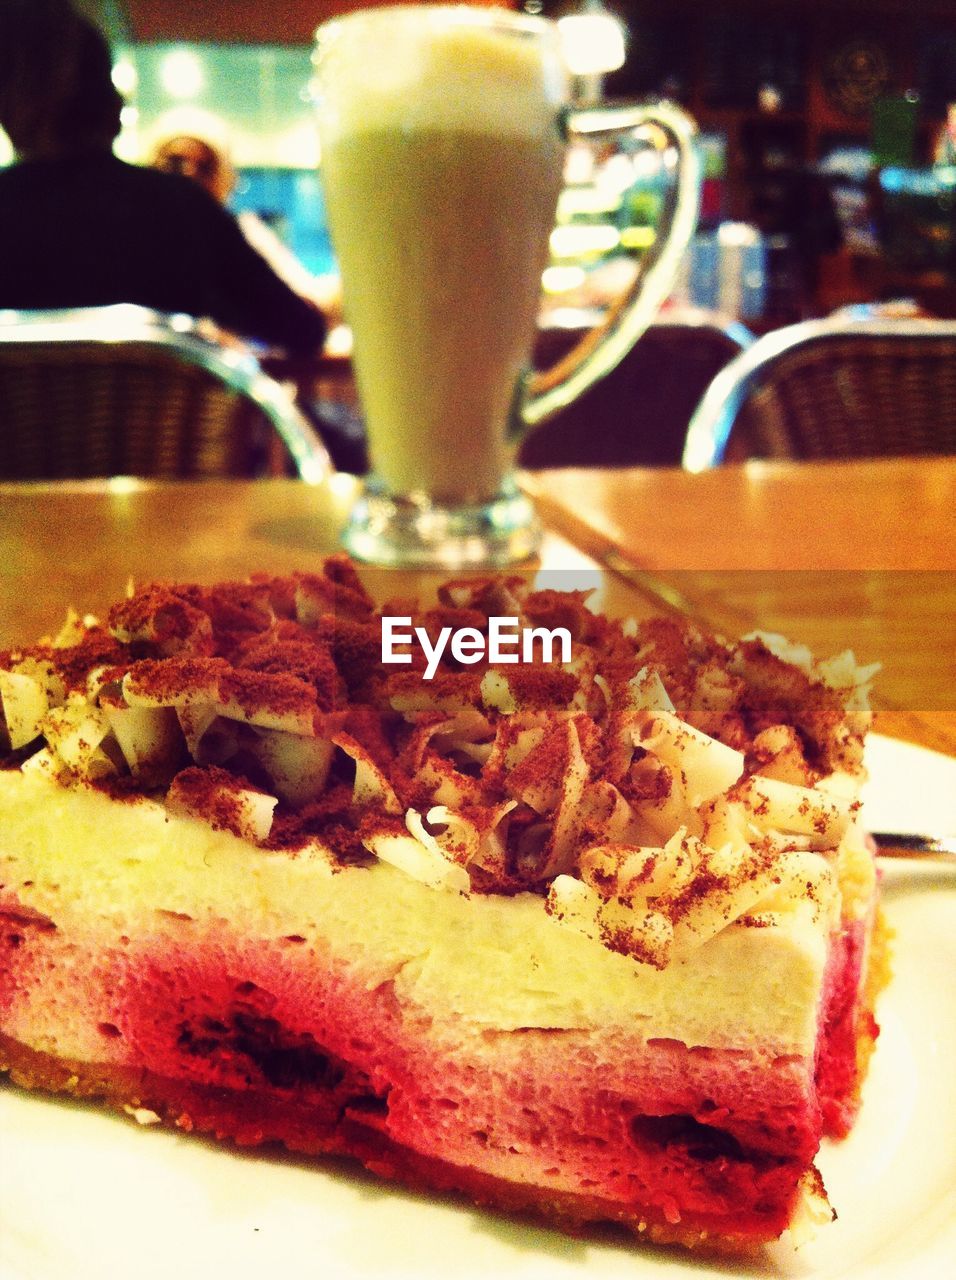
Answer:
[(87, 1196)]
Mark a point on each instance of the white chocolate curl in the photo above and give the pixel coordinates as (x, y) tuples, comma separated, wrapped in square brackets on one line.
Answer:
[(562, 846), (250, 811), (804, 811), (622, 871), (419, 855), (371, 789), (297, 766), (208, 689), (25, 703), (147, 736), (709, 767), (75, 733), (658, 905)]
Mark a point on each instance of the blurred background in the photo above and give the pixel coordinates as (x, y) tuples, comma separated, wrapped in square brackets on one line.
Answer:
[(827, 133), (830, 171)]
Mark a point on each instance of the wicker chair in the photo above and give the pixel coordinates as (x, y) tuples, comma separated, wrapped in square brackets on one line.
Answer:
[(122, 390), (637, 415), (835, 388)]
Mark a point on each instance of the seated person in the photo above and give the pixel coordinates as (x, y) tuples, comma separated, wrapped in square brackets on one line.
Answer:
[(81, 228), (209, 165)]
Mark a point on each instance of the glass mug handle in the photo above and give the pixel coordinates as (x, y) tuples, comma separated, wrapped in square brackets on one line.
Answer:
[(545, 393)]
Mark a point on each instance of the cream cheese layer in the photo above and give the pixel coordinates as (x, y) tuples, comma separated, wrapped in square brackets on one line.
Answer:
[(101, 868)]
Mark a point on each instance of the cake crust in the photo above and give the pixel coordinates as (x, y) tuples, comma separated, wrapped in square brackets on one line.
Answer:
[(250, 1121)]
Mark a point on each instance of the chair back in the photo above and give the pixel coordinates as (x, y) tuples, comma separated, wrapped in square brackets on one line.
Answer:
[(834, 388), (122, 390), (637, 415)]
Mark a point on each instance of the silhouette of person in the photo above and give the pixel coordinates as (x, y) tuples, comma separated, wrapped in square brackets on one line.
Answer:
[(210, 166), (82, 228)]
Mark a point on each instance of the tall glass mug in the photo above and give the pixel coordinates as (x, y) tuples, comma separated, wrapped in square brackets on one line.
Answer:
[(443, 133)]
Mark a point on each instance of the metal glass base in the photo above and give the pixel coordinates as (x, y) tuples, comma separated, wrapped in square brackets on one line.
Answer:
[(413, 532)]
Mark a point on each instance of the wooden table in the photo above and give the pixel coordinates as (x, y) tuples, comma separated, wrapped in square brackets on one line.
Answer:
[(857, 555), (844, 555)]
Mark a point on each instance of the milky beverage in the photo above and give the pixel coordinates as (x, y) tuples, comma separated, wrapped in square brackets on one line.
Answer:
[(442, 161)]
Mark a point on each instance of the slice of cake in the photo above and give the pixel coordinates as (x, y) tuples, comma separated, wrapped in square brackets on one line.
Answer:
[(593, 939)]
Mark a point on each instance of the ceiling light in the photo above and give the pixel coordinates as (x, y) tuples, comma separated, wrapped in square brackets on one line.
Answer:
[(124, 77), (181, 73), (593, 40)]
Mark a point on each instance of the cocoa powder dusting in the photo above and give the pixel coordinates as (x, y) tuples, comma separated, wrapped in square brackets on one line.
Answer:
[(211, 794), (307, 649)]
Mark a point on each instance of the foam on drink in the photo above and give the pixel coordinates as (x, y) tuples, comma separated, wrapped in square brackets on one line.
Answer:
[(437, 73)]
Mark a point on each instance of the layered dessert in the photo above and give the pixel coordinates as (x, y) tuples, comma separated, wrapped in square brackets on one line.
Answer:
[(595, 939)]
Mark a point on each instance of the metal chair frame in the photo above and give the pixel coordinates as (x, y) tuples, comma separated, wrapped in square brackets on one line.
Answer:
[(180, 336), (873, 341)]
